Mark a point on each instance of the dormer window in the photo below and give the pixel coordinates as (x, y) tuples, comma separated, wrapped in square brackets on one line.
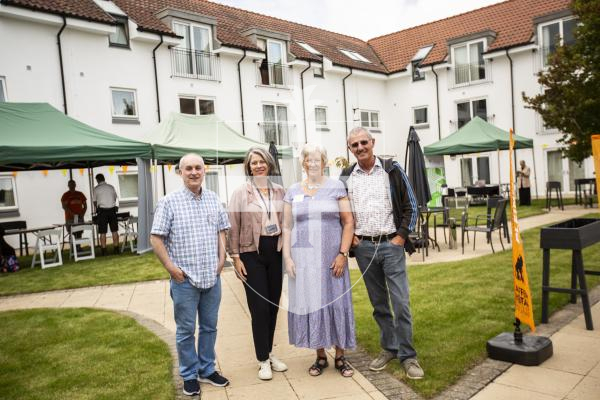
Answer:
[(417, 74), (469, 64), (554, 34), (272, 70), (193, 57), (121, 36), (308, 48), (354, 55)]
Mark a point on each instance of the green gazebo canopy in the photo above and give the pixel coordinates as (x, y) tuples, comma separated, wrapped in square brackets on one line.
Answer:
[(475, 137), (206, 135), (38, 136)]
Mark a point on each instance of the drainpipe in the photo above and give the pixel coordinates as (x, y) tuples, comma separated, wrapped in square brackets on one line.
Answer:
[(304, 105), (156, 75), (437, 98), (512, 102), (60, 58), (346, 113), (241, 93)]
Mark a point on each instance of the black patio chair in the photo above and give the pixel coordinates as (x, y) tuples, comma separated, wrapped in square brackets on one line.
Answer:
[(491, 224)]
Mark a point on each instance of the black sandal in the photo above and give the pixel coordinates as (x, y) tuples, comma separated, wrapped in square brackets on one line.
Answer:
[(318, 366), (344, 367)]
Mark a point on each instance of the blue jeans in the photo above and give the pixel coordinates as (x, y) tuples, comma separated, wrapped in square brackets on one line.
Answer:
[(187, 302), (384, 270)]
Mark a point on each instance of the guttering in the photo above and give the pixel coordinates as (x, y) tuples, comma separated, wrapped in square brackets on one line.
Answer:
[(437, 99), (512, 104), (304, 105), (241, 93), (60, 59), (156, 76), (346, 113)]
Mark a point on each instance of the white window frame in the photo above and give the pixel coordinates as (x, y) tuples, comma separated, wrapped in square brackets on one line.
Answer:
[(469, 63), (277, 122), (308, 48), (135, 116), (353, 55), (121, 197), (321, 127), (213, 172), (122, 20), (14, 186), (4, 89), (196, 98), (191, 25), (283, 50), (369, 126), (471, 101), (560, 22), (422, 124)]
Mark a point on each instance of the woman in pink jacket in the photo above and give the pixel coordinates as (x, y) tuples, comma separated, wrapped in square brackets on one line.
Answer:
[(255, 213)]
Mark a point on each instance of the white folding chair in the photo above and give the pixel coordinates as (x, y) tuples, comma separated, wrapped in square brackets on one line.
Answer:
[(86, 239), (130, 235), (48, 240)]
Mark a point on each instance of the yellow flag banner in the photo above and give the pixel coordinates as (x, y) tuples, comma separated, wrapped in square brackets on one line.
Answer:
[(111, 169), (596, 153), (523, 303), (63, 172), (81, 170)]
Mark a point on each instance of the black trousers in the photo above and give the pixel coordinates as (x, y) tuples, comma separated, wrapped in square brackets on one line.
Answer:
[(524, 196), (263, 290)]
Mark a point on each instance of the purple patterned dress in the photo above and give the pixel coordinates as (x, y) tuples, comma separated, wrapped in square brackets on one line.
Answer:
[(320, 311)]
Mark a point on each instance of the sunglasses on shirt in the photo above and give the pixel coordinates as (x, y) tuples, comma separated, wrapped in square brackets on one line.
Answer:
[(361, 142)]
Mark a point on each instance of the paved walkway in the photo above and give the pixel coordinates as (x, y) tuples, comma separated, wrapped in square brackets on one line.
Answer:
[(572, 373)]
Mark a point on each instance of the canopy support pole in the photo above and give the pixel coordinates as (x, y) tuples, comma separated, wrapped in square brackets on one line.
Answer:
[(537, 196), (498, 152), (162, 167), (91, 183), (226, 188)]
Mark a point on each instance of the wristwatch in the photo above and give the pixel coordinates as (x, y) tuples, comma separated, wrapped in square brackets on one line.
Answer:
[(345, 254)]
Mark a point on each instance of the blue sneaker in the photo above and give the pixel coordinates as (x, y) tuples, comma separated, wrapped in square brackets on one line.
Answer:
[(215, 379), (191, 387)]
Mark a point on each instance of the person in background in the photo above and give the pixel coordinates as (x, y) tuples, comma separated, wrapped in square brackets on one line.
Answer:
[(105, 200), (524, 184), (75, 205), (8, 257), (188, 237), (255, 213)]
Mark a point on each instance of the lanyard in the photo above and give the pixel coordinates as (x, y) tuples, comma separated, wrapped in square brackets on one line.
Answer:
[(268, 209)]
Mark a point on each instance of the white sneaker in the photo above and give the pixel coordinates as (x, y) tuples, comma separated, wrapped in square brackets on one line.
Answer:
[(264, 371), (276, 364)]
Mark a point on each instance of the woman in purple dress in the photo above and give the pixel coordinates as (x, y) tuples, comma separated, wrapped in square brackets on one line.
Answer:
[(317, 233)]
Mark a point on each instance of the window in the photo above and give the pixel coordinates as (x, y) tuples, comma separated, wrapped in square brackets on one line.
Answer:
[(309, 48), (417, 74), (318, 72), (370, 119), (465, 111), (8, 193), (121, 36), (321, 118), (196, 106), (275, 127), (272, 70), (466, 172), (128, 186), (468, 62), (3, 96), (193, 55), (354, 55), (483, 169), (211, 181), (556, 34), (124, 104), (420, 116)]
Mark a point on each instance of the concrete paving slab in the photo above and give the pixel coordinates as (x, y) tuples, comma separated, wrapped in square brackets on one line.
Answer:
[(573, 353), (276, 391), (587, 389), (83, 297), (495, 391), (538, 379), (328, 385), (595, 372)]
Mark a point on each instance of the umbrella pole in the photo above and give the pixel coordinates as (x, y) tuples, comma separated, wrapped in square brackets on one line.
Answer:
[(537, 196)]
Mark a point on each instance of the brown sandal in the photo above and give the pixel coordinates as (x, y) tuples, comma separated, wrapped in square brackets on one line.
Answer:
[(317, 368), (344, 367)]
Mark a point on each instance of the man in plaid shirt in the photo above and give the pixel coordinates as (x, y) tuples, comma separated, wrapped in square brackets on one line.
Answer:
[(188, 237)]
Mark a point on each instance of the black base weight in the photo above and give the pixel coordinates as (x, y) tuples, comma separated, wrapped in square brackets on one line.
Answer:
[(534, 350)]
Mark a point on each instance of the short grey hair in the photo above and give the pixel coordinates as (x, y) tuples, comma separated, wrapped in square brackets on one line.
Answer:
[(180, 164), (310, 148), (262, 153), (357, 131)]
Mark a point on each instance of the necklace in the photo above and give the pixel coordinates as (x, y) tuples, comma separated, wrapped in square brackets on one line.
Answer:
[(313, 186)]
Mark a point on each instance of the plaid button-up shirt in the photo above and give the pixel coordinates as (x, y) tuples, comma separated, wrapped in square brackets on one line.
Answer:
[(190, 226)]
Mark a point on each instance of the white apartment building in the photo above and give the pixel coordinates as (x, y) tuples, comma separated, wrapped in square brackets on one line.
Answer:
[(122, 66)]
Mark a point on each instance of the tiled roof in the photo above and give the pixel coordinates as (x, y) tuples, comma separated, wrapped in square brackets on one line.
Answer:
[(512, 22), (83, 9), (232, 21)]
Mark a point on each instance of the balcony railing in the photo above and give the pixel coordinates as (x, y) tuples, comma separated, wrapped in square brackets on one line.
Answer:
[(188, 63), (470, 74), (272, 74), (276, 132)]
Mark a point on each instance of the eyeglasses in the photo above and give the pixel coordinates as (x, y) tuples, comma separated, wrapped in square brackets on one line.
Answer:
[(361, 142)]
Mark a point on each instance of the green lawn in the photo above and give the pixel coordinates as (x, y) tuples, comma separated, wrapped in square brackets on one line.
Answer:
[(106, 270), (458, 306), (81, 354)]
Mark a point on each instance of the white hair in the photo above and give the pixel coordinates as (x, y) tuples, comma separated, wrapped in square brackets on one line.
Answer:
[(181, 160), (310, 148)]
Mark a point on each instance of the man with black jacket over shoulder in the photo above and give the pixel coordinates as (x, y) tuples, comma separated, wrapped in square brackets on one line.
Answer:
[(385, 212)]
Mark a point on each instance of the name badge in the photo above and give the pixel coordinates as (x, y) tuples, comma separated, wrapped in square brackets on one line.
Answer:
[(298, 198), (271, 229)]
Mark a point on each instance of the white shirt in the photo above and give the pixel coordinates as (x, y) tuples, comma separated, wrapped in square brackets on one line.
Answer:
[(105, 195)]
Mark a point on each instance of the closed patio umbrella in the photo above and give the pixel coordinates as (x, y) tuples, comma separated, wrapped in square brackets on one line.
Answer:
[(417, 174)]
